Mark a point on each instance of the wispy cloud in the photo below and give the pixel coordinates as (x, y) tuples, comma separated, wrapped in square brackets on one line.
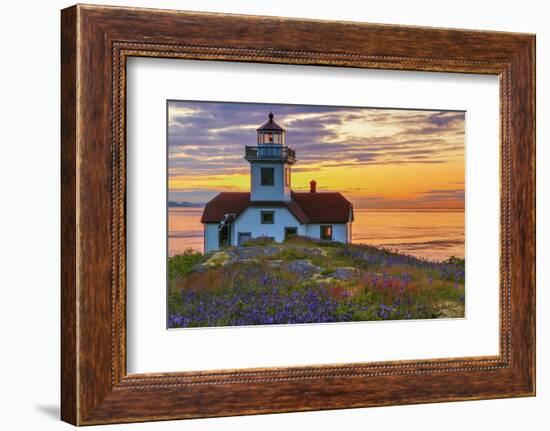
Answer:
[(205, 131), (207, 139)]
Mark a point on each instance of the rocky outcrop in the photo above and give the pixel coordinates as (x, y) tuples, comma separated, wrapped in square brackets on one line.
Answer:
[(302, 268), (295, 261), (345, 273)]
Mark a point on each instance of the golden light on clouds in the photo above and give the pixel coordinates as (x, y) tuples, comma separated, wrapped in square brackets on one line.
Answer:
[(376, 157)]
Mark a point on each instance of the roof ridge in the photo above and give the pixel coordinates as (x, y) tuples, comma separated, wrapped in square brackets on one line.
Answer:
[(323, 207), (318, 193)]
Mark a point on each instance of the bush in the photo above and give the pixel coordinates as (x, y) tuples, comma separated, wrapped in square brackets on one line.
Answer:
[(327, 271), (291, 253), (182, 264), (300, 240), (259, 241), (453, 260)]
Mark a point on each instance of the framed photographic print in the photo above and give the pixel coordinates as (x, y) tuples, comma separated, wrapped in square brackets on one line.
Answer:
[(253, 241), (259, 217)]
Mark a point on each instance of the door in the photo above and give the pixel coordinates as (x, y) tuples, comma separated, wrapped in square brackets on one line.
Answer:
[(290, 231), (243, 237), (225, 236)]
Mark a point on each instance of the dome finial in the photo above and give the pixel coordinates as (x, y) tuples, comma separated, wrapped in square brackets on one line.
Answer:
[(270, 116)]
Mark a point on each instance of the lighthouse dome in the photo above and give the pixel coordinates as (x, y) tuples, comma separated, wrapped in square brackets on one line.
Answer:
[(271, 133), (270, 126)]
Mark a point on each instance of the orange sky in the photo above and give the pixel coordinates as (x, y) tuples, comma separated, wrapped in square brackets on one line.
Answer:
[(377, 158)]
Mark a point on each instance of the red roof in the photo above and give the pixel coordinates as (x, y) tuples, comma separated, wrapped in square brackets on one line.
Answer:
[(306, 207), (294, 209), (324, 207), (224, 203)]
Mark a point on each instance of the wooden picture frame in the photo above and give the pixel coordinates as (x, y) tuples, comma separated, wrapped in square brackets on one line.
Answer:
[(95, 43)]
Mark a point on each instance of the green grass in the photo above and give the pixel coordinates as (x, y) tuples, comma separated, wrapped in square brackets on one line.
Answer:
[(182, 264), (260, 241)]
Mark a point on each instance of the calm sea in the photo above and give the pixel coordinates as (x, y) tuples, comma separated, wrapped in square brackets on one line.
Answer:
[(431, 234)]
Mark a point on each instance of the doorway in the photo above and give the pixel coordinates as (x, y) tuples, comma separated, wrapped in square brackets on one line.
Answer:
[(225, 236), (290, 231), (243, 237)]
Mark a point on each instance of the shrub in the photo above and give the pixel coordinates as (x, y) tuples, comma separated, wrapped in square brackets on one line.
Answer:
[(291, 253), (453, 260), (327, 271), (300, 240), (182, 264), (259, 241)]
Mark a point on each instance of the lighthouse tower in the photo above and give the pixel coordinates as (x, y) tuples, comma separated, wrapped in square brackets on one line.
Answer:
[(271, 209), (270, 164)]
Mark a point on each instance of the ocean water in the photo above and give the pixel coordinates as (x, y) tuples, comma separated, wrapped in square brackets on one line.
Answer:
[(430, 234)]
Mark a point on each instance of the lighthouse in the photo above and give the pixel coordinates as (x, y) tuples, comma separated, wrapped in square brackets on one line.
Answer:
[(271, 209), (270, 164)]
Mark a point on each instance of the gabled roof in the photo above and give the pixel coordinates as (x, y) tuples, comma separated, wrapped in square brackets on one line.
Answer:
[(324, 207), (294, 209), (270, 126), (225, 203), (306, 207)]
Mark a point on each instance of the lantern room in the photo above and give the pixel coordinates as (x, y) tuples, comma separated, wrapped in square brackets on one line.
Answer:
[(271, 133)]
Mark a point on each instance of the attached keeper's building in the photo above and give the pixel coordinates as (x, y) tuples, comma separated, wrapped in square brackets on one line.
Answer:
[(271, 208)]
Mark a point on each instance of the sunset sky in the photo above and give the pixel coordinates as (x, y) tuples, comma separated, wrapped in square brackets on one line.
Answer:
[(377, 158)]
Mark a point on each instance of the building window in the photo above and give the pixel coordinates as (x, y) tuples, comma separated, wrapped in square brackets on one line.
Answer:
[(287, 176), (268, 217), (326, 232), (270, 138), (266, 138), (290, 232), (267, 176)]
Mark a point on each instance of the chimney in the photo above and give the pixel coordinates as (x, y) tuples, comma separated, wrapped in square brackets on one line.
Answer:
[(313, 186)]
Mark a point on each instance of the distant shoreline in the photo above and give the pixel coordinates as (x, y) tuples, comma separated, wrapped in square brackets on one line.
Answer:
[(173, 204), (176, 205)]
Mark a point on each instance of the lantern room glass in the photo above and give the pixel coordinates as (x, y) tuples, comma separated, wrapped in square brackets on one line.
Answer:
[(270, 138)]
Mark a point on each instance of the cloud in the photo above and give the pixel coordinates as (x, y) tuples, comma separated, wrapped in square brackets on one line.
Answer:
[(442, 195), (206, 143), (207, 136)]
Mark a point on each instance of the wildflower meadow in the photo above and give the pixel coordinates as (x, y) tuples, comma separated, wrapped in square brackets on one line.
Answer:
[(309, 281)]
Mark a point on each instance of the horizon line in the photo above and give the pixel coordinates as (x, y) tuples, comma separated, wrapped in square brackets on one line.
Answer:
[(203, 204)]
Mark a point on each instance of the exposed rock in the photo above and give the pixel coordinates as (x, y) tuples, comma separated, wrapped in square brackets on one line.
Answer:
[(254, 261), (345, 273), (219, 258), (275, 263), (311, 251), (303, 268), (238, 254)]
